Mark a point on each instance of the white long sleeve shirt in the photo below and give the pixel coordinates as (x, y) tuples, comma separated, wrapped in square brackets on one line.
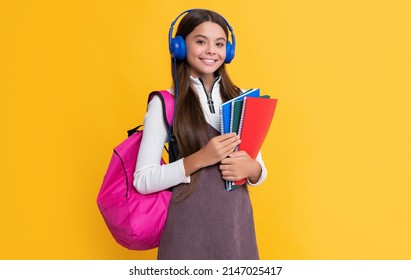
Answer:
[(150, 176)]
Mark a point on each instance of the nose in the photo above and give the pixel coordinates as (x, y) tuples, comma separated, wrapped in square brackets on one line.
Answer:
[(210, 49)]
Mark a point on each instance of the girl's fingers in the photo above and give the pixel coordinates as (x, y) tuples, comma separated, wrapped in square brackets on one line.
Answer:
[(227, 139)]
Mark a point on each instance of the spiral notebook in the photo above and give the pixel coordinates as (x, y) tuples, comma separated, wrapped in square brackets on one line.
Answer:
[(236, 108), (226, 115), (225, 109), (234, 117), (256, 117)]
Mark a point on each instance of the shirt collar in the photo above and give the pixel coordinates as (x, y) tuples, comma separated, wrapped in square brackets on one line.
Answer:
[(197, 81)]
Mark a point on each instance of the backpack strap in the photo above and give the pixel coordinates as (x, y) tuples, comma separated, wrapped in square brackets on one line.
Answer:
[(167, 101)]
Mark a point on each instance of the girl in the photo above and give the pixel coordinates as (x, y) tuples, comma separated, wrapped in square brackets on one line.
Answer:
[(204, 220)]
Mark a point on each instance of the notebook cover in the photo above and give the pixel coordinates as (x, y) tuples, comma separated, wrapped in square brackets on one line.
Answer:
[(236, 115)]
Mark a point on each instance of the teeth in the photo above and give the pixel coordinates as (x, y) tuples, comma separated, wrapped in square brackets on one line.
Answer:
[(208, 60)]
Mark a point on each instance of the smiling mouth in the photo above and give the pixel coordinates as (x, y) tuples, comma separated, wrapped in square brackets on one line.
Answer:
[(208, 61)]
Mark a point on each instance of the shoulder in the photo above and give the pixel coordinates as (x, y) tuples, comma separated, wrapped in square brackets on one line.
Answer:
[(156, 97), (154, 104), (158, 106)]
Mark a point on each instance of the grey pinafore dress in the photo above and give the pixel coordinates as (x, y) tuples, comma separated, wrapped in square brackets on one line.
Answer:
[(211, 224)]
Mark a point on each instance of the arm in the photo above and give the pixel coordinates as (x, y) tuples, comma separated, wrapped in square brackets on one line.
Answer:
[(217, 149), (263, 174), (149, 175)]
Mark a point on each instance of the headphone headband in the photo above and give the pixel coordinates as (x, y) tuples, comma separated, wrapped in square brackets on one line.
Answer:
[(177, 45)]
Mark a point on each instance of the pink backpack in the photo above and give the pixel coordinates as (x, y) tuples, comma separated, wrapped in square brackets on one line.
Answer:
[(136, 221)]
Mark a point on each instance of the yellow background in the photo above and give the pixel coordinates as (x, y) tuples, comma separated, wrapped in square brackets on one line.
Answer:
[(75, 76)]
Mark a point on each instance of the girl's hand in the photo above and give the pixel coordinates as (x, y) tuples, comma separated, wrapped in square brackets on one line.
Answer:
[(218, 148), (239, 165)]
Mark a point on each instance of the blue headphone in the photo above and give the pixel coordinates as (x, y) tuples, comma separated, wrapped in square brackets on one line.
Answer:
[(177, 45)]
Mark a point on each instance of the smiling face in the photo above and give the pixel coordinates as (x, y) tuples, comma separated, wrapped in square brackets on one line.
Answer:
[(206, 50)]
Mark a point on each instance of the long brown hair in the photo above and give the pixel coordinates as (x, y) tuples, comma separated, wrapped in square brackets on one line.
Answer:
[(190, 126)]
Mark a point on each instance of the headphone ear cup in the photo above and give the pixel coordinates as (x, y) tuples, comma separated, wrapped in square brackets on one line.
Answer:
[(178, 48), (229, 53)]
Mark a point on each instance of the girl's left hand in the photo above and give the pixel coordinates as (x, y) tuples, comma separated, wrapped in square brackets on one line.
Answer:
[(239, 165)]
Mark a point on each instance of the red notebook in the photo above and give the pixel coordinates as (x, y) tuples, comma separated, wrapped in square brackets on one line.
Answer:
[(257, 114)]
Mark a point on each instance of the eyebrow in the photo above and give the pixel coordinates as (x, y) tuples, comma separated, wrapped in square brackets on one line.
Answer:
[(205, 37)]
